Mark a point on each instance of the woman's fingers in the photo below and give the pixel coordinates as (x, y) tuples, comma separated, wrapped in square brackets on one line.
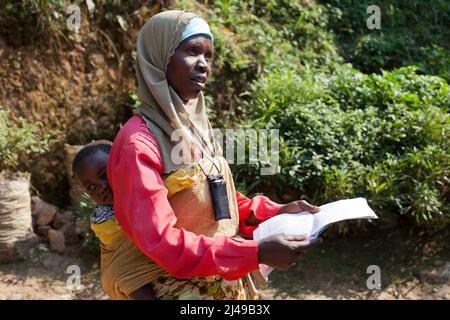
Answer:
[(301, 243), (297, 243), (281, 250), (303, 246), (298, 206), (306, 206), (294, 237)]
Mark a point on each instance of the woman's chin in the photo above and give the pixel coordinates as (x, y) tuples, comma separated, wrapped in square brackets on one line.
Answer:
[(192, 96)]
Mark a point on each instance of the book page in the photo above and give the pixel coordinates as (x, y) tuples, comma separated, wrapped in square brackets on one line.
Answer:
[(313, 224), (341, 210), (291, 223)]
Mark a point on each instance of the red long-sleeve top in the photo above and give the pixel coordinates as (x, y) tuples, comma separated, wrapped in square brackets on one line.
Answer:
[(144, 212)]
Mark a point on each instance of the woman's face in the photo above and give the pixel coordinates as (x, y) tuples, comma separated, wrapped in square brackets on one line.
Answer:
[(190, 67)]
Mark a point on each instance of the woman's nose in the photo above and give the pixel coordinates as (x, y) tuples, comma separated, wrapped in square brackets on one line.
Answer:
[(202, 65)]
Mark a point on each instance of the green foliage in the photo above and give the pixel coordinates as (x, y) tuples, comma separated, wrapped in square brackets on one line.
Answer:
[(19, 141), (33, 19), (348, 134), (253, 35), (278, 64), (85, 208), (83, 212), (436, 60), (135, 102), (407, 26)]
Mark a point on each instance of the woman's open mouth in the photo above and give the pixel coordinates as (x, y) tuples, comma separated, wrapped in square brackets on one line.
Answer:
[(199, 82)]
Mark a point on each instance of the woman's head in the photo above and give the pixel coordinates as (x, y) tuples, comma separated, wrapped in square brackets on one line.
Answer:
[(190, 63), (89, 168), (174, 49), (174, 52), (190, 67)]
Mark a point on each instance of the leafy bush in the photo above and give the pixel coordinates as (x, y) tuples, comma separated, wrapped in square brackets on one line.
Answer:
[(407, 26), (436, 61), (20, 141), (33, 19), (83, 213), (253, 35), (383, 137)]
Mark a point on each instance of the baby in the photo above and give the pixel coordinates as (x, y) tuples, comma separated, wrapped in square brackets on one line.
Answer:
[(89, 168)]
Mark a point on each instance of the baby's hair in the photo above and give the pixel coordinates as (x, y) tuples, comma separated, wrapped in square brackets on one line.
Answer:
[(90, 149)]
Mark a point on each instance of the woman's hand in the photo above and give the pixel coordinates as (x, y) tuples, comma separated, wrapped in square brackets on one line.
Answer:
[(298, 206), (280, 251), (291, 207)]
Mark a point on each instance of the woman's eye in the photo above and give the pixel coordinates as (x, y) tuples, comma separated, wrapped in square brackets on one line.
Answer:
[(91, 188), (193, 51)]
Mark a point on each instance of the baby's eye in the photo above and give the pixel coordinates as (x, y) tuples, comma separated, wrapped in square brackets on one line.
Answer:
[(91, 188)]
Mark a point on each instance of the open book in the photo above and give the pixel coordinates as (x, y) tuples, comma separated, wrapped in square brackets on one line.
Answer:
[(313, 224)]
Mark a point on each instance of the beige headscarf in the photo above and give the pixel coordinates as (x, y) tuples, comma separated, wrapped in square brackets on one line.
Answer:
[(157, 41)]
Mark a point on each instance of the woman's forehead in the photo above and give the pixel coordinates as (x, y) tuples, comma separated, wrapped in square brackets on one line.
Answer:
[(197, 40)]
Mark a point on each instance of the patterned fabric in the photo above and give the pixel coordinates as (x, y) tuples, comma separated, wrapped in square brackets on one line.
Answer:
[(102, 213), (209, 288)]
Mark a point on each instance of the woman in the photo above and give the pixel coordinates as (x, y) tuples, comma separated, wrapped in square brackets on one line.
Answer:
[(162, 188)]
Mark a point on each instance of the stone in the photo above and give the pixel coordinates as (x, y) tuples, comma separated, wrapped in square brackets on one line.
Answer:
[(43, 211), (65, 222), (61, 219), (8, 253), (56, 240), (70, 234), (43, 230)]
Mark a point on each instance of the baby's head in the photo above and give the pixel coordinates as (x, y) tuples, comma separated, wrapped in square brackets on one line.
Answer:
[(89, 168)]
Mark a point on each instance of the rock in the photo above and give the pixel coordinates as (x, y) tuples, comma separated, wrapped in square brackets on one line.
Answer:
[(62, 219), (65, 222), (43, 211), (43, 230), (70, 234), (8, 253), (56, 240)]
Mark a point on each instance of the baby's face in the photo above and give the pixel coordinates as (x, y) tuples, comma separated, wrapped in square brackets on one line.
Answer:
[(92, 177)]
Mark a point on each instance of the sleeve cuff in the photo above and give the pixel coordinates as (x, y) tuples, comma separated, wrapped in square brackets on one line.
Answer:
[(251, 252), (266, 209)]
